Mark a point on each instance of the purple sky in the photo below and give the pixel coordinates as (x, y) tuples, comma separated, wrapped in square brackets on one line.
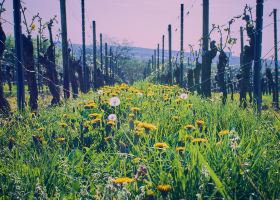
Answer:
[(142, 22)]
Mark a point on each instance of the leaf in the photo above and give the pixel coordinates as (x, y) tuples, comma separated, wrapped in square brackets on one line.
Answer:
[(214, 176)]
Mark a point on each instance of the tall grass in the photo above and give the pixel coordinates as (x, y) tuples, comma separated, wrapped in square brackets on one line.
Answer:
[(242, 163)]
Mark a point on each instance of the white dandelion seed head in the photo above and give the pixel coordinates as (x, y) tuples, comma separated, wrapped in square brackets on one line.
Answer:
[(184, 96), (114, 101), (112, 117)]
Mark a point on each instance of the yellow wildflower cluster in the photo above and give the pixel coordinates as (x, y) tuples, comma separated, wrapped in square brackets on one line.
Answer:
[(123, 180)]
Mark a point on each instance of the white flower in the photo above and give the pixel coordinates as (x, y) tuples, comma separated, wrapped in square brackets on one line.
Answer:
[(114, 101), (112, 117), (184, 96), (100, 92)]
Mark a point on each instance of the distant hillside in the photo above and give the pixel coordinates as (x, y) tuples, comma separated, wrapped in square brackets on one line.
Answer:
[(146, 54)]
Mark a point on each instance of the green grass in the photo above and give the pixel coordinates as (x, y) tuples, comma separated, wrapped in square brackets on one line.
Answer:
[(243, 164)]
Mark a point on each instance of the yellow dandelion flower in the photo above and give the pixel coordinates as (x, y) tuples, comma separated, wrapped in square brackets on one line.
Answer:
[(164, 188), (135, 109), (123, 180), (161, 145), (175, 118), (131, 115), (189, 127), (150, 193), (200, 122), (109, 138), (63, 125), (61, 139), (90, 106), (200, 140), (40, 129), (111, 122), (224, 132), (95, 121), (95, 115), (136, 160), (179, 149), (147, 126)]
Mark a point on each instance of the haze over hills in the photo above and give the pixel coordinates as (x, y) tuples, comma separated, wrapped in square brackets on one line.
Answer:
[(146, 54)]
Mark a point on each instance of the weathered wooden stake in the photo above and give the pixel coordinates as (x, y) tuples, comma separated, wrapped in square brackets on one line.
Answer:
[(182, 48), (276, 100), (18, 49), (170, 70), (94, 55), (66, 85), (257, 57)]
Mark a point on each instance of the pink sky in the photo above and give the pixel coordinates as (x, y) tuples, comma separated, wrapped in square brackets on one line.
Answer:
[(142, 22)]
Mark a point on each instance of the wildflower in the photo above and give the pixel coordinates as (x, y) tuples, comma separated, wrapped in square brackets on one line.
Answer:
[(189, 127), (90, 105), (135, 109), (112, 123), (114, 101), (131, 115), (164, 189), (179, 149), (109, 138), (161, 145), (37, 139), (40, 129), (123, 180), (200, 122), (147, 126), (219, 143), (137, 159), (189, 105), (150, 194), (175, 118), (184, 96), (60, 140), (95, 115), (199, 140), (224, 132), (95, 121), (139, 131), (112, 117), (63, 125)]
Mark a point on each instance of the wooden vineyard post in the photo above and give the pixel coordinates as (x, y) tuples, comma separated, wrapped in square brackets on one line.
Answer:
[(170, 70), (257, 57), (182, 48), (276, 100), (94, 55), (66, 85), (18, 49)]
